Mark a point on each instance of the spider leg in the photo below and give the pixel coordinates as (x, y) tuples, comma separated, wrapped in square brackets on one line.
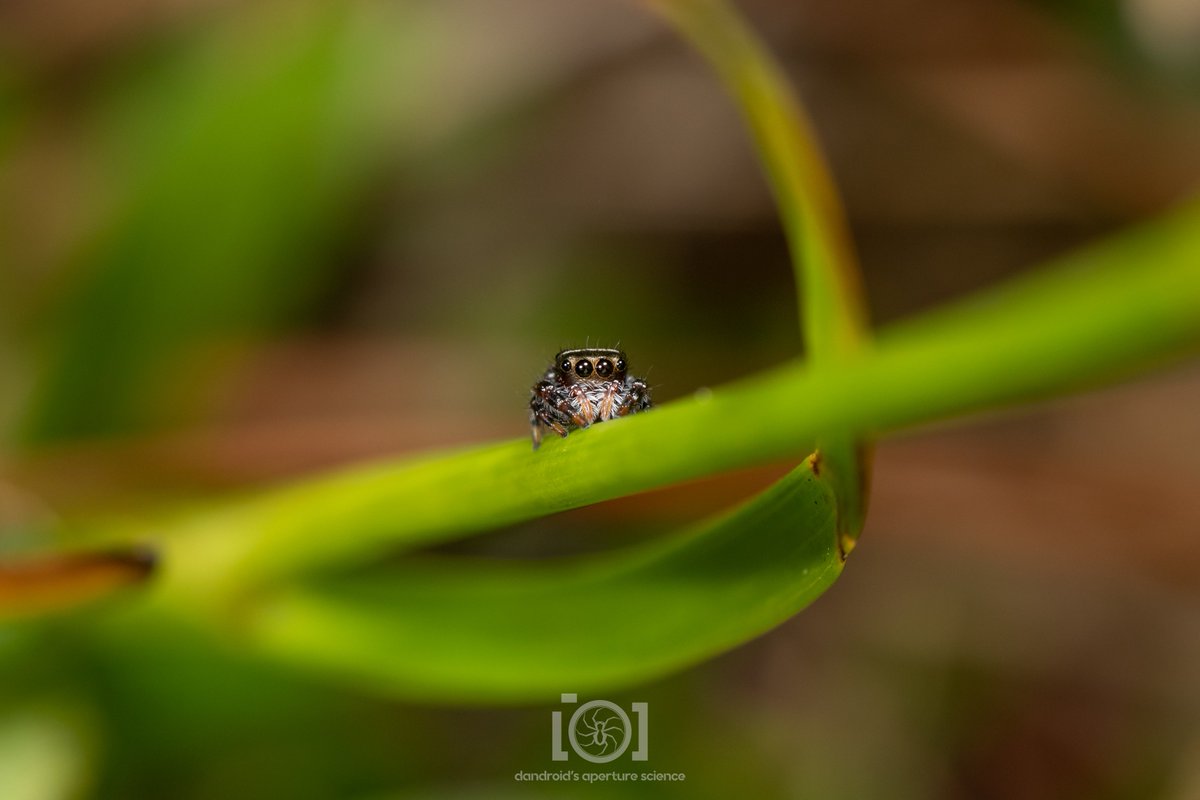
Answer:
[(586, 414), (538, 425), (565, 408), (544, 412), (607, 408), (546, 401), (637, 397)]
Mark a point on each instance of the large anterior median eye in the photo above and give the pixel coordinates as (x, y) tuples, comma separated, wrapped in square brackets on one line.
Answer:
[(604, 368), (583, 368)]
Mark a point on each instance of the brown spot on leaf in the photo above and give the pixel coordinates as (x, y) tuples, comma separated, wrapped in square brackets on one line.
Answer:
[(50, 584)]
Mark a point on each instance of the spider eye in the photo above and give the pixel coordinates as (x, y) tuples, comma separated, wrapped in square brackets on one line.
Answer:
[(583, 368), (620, 365), (604, 368), (565, 365)]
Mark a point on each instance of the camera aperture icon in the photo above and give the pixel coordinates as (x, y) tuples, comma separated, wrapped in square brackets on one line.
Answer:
[(600, 731)]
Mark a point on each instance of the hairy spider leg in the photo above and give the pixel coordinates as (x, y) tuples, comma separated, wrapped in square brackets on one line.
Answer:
[(544, 414), (636, 397), (607, 402), (586, 414)]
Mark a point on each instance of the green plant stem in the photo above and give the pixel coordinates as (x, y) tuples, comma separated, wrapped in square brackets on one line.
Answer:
[(827, 280), (1108, 309), (827, 274)]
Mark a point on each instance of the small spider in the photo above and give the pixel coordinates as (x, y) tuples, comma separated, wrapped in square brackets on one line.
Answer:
[(581, 387)]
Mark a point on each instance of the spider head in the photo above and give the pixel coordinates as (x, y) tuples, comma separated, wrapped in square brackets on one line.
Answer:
[(590, 365)]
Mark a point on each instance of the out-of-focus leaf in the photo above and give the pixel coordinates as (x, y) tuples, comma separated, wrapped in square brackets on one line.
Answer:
[(44, 752), (241, 161), (504, 631)]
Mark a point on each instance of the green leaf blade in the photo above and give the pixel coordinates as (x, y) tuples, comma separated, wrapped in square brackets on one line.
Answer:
[(512, 632)]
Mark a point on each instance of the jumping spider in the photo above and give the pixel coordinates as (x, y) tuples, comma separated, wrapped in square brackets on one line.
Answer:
[(584, 386)]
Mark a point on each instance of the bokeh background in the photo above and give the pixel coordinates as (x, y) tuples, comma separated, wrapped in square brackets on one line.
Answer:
[(241, 242)]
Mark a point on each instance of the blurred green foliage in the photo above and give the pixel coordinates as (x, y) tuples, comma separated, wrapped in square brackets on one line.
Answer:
[(241, 156), (213, 238)]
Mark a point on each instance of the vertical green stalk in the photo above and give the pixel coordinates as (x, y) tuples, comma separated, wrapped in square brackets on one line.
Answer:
[(827, 276)]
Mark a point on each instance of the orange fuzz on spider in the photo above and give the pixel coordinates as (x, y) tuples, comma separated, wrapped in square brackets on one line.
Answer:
[(584, 386)]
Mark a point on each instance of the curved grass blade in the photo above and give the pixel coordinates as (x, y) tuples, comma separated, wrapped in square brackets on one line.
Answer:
[(827, 278), (446, 630), (827, 274)]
